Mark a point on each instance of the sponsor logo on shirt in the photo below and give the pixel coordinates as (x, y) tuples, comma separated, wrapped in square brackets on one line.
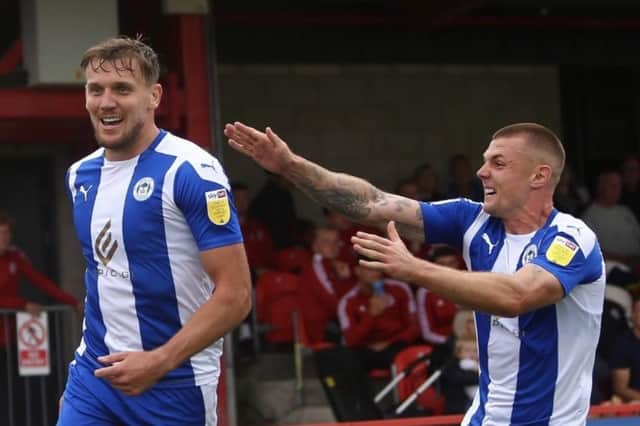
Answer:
[(561, 251), (218, 208), (108, 272), (85, 191), (490, 245), (105, 246), (143, 189)]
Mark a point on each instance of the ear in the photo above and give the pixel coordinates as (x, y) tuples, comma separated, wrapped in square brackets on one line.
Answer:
[(541, 176), (155, 95)]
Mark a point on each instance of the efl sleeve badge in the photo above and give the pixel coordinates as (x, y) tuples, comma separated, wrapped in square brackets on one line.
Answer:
[(218, 208), (561, 251)]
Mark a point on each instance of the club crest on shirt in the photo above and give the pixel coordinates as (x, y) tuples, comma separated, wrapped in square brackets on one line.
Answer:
[(143, 189), (561, 251), (529, 253), (218, 208)]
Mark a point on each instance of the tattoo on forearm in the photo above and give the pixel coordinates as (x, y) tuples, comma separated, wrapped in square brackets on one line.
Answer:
[(345, 194), (414, 233)]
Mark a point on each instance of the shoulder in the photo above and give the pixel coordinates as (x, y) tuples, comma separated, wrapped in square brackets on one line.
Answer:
[(97, 154), (192, 158), (575, 228)]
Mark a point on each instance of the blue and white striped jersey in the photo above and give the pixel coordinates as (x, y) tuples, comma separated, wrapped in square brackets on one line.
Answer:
[(142, 223), (535, 368)]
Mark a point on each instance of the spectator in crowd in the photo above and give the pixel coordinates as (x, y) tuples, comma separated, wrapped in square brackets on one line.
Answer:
[(346, 229), (14, 265), (425, 178), (274, 207), (257, 240), (615, 225), (464, 183), (570, 197), (378, 318), (435, 313), (630, 171), (322, 283), (459, 381), (408, 187), (625, 362)]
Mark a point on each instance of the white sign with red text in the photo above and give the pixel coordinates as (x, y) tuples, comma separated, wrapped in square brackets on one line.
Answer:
[(33, 344)]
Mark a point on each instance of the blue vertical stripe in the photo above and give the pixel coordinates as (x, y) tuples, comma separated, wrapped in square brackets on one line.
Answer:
[(88, 175), (146, 247), (538, 370)]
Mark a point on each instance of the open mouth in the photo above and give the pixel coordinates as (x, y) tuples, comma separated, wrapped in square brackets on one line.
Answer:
[(111, 121), (488, 192)]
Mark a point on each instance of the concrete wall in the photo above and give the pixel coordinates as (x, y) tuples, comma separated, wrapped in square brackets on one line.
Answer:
[(380, 121)]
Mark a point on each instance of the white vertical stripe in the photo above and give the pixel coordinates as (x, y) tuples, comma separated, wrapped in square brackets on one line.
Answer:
[(210, 398), (578, 322), (470, 233), (192, 284), (117, 303)]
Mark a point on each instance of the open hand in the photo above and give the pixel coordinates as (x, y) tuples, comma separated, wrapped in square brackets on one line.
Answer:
[(265, 148), (389, 255), (132, 372)]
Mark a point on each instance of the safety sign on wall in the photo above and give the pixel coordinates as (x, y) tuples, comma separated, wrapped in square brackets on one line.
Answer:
[(33, 344)]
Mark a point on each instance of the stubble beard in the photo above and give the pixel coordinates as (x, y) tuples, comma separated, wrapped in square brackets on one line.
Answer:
[(127, 140)]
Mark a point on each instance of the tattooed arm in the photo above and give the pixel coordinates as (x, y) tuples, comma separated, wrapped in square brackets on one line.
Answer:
[(351, 196)]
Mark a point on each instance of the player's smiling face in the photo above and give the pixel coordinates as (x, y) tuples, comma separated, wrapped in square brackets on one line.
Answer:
[(120, 104), (505, 176)]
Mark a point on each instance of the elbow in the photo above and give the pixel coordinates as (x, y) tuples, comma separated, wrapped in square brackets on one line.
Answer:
[(512, 307)]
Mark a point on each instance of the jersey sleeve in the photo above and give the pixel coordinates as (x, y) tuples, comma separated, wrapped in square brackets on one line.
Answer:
[(446, 221), (202, 193), (572, 258)]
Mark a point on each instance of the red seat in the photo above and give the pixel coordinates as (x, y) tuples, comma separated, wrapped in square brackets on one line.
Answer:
[(306, 341), (291, 259), (430, 399), (275, 303)]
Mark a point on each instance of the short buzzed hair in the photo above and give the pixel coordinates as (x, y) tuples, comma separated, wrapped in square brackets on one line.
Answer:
[(120, 52), (542, 140)]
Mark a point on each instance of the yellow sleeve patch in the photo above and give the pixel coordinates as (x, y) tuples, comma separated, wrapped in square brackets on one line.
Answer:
[(561, 251), (218, 208)]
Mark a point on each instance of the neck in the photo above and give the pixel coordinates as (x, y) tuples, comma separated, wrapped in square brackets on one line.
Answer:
[(528, 220)]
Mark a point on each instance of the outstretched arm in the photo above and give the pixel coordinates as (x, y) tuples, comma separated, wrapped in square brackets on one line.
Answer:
[(354, 197), (531, 287)]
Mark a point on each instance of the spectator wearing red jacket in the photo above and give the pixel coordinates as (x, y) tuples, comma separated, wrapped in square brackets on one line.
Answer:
[(435, 313), (378, 318), (322, 283), (13, 265)]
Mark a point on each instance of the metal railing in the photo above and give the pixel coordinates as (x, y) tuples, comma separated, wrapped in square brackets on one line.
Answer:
[(38, 391)]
